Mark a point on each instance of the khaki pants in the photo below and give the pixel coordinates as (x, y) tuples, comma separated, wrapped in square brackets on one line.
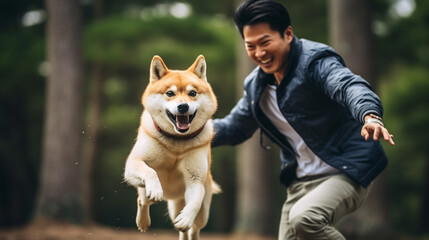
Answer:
[(314, 205)]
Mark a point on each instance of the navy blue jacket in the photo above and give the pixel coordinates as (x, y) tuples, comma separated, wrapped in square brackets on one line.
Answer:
[(323, 101)]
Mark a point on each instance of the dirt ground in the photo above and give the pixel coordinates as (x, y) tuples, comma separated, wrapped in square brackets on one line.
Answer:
[(96, 232)]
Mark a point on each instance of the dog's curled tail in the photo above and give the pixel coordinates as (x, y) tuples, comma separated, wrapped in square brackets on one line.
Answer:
[(216, 188)]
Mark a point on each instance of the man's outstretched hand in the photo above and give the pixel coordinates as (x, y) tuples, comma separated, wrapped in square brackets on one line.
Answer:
[(376, 130)]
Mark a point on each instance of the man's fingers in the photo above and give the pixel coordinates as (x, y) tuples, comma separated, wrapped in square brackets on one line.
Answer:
[(386, 134), (388, 137), (374, 131), (376, 134), (364, 133)]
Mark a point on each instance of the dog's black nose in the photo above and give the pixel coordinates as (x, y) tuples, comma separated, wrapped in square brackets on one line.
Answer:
[(183, 108)]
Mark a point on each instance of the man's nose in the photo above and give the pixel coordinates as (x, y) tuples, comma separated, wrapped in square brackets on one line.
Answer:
[(259, 52)]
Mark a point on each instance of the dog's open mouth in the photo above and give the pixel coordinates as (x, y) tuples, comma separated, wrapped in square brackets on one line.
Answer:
[(181, 122)]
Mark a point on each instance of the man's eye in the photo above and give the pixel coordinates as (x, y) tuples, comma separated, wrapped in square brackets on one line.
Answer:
[(192, 93), (170, 94)]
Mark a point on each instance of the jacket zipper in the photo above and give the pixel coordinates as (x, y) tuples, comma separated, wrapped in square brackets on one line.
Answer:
[(270, 134)]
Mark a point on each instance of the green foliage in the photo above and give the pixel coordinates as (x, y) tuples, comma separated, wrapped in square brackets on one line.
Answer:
[(134, 41), (126, 46), (21, 121), (406, 97), (406, 102), (309, 19), (406, 40)]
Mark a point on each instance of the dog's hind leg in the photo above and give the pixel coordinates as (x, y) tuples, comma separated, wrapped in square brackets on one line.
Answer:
[(203, 215), (183, 235), (174, 208), (143, 203), (194, 233)]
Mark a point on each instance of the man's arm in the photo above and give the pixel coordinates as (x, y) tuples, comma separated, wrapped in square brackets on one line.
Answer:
[(354, 93), (238, 126)]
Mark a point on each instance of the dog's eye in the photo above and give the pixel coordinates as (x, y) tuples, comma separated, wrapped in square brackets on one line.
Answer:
[(192, 93), (170, 94)]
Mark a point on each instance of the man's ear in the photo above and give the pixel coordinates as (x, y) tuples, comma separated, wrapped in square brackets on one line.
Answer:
[(157, 69), (199, 67), (288, 34)]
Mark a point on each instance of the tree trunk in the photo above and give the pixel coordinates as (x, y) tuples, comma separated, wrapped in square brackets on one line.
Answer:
[(254, 169), (424, 213), (351, 37), (92, 133), (60, 195)]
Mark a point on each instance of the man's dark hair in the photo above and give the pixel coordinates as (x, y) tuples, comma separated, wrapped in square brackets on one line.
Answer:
[(258, 11)]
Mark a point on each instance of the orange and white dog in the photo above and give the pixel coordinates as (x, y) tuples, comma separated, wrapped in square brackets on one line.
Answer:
[(171, 157)]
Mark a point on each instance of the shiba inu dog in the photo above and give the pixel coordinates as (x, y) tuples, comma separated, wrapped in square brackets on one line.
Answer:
[(171, 156)]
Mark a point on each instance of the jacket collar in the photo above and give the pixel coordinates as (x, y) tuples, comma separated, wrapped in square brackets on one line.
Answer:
[(295, 51)]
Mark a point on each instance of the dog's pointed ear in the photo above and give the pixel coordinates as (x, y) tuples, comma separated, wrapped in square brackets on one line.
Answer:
[(157, 69), (199, 67)]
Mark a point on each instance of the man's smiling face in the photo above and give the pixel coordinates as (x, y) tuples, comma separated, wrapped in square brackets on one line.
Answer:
[(267, 48)]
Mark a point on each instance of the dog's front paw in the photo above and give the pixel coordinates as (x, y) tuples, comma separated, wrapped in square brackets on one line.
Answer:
[(154, 190), (184, 222)]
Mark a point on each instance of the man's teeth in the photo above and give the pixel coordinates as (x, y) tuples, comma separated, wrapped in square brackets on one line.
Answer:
[(266, 60)]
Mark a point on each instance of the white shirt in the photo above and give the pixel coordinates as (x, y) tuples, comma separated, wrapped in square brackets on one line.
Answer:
[(308, 163)]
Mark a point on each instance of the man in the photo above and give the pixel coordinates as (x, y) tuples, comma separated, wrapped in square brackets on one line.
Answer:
[(325, 119)]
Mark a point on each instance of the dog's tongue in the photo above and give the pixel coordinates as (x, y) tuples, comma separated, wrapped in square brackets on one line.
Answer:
[(182, 122)]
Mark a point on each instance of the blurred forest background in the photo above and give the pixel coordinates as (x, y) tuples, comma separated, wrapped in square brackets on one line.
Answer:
[(70, 105)]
